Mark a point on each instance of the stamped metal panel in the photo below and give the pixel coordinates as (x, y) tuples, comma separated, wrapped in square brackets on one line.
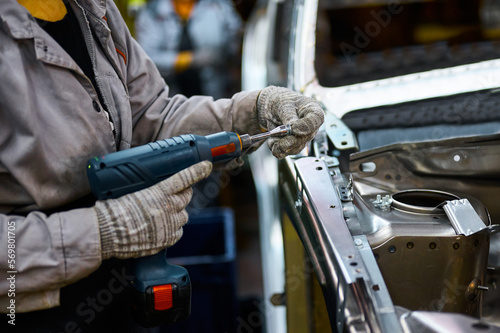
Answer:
[(362, 301)]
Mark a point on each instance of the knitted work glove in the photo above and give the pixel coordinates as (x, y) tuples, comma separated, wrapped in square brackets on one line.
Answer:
[(144, 222), (281, 106)]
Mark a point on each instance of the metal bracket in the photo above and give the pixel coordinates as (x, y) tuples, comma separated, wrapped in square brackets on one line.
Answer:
[(346, 191), (463, 217), (340, 135)]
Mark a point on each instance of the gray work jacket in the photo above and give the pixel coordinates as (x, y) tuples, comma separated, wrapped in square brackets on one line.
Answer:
[(51, 123)]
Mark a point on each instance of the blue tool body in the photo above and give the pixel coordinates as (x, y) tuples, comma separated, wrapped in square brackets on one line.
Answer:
[(127, 171)]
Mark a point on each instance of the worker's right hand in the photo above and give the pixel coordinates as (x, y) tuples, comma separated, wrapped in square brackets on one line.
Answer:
[(281, 106), (144, 222)]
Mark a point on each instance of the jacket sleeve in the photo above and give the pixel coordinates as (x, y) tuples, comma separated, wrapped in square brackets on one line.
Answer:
[(42, 254), (156, 115)]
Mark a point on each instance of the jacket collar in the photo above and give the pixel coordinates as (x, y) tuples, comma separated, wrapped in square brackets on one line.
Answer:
[(18, 20)]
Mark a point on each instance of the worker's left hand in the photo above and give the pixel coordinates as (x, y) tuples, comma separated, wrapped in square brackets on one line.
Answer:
[(281, 106)]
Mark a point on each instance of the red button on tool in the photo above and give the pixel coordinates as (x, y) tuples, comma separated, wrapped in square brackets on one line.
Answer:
[(163, 297), (221, 150)]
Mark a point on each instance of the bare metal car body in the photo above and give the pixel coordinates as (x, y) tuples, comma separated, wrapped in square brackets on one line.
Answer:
[(394, 203)]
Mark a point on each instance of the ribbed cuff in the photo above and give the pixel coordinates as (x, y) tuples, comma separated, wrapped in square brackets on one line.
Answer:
[(106, 229), (262, 106)]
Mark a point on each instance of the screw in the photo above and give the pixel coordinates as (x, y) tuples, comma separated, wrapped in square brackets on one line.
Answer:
[(384, 202)]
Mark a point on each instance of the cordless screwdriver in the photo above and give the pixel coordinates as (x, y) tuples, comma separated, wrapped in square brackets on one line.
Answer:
[(134, 169), (161, 293)]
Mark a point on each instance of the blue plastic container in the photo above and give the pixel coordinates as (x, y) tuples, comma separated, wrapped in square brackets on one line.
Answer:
[(208, 251)]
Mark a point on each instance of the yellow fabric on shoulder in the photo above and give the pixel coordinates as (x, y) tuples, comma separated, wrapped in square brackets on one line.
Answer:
[(47, 10)]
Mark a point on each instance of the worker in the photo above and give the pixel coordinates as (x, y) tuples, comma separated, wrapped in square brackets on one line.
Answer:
[(75, 84), (194, 43)]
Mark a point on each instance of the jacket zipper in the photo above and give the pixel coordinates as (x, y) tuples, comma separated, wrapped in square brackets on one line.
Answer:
[(87, 35)]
